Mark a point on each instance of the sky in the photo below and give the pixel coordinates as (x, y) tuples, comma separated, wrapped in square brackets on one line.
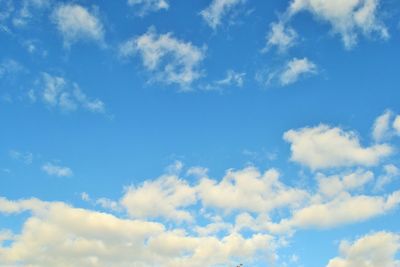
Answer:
[(139, 133)]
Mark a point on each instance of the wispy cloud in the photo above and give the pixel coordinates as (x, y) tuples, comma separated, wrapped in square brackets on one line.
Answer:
[(170, 60), (214, 13), (60, 93), (56, 170), (147, 6)]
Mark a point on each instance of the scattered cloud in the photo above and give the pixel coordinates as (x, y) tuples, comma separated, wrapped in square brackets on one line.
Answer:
[(10, 67), (217, 9), (375, 249), (324, 147), (147, 6), (169, 59), (280, 36), (232, 79), (25, 157), (295, 69), (58, 92), (56, 170), (290, 73), (76, 23), (349, 19)]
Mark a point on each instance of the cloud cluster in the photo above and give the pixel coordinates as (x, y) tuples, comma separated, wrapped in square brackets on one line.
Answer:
[(169, 59), (57, 234)]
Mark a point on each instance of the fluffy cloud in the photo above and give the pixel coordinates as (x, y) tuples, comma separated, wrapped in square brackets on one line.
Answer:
[(58, 92), (376, 249), (382, 127), (56, 170), (249, 190), (281, 37), (334, 185), (149, 5), (214, 13), (343, 209), (78, 237), (160, 198), (76, 23), (170, 60), (327, 147), (349, 19)]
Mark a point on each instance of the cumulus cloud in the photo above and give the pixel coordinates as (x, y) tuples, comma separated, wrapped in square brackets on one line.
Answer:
[(76, 23), (56, 170), (334, 185), (149, 5), (169, 59), (67, 96), (349, 19), (376, 249), (281, 36), (249, 190), (343, 209), (163, 197), (79, 237), (381, 128), (217, 9), (324, 147)]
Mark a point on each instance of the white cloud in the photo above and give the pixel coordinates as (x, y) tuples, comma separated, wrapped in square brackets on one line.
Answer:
[(79, 237), (390, 172), (232, 79), (349, 19), (170, 60), (76, 23), (396, 124), (281, 36), (249, 190), (381, 129), (55, 170), (295, 69), (163, 197), (376, 249), (343, 209), (214, 13), (323, 147), (57, 92), (334, 185), (149, 5)]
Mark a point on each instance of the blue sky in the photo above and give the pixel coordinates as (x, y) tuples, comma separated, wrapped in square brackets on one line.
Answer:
[(199, 133)]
